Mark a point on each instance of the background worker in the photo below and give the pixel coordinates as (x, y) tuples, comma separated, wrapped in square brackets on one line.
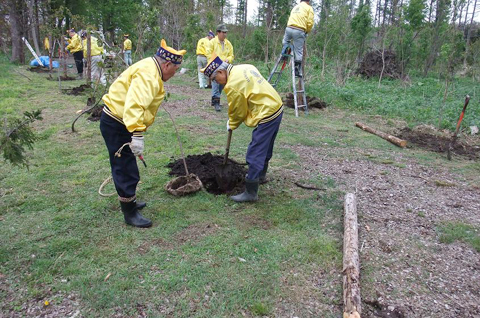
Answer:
[(75, 47), (127, 50), (222, 48), (96, 56), (253, 101), (202, 58), (299, 24), (131, 105)]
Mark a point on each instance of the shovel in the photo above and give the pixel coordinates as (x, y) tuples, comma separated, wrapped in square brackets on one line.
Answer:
[(454, 138), (223, 172)]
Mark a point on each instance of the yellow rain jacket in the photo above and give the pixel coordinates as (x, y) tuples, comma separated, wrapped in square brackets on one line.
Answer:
[(135, 96), (202, 46), (251, 99), (127, 45), (301, 17), (46, 44), (75, 44), (225, 51), (94, 48)]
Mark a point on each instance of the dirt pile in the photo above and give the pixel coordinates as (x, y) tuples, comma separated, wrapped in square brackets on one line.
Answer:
[(204, 167), (312, 102), (439, 142), (39, 69), (76, 90), (374, 62)]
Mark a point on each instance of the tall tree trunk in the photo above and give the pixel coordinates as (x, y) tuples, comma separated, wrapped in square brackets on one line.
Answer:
[(385, 6), (430, 11), (441, 12), (16, 30), (466, 14), (33, 26), (245, 13), (469, 32)]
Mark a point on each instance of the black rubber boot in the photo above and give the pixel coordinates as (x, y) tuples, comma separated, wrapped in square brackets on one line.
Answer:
[(298, 69), (217, 104), (132, 216), (213, 101), (141, 204), (263, 175), (250, 194)]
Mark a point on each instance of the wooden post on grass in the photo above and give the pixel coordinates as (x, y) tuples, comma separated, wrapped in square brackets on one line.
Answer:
[(352, 305), (89, 58), (394, 140)]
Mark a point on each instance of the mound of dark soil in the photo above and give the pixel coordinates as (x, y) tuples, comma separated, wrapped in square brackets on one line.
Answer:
[(374, 62), (39, 69), (204, 167), (438, 143), (62, 78), (76, 90), (312, 102)]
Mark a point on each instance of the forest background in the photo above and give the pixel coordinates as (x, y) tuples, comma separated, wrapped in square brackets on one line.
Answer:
[(427, 36)]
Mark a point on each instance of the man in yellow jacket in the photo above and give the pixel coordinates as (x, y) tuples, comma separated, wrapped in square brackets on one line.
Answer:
[(299, 24), (202, 58), (223, 49), (254, 102), (127, 49), (96, 56), (75, 47), (129, 109)]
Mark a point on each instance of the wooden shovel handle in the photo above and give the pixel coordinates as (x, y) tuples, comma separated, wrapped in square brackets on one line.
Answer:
[(467, 99), (227, 149)]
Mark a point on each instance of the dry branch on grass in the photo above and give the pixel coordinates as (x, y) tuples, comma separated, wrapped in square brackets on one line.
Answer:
[(394, 140)]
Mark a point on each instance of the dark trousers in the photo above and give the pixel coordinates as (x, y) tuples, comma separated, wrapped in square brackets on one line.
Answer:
[(260, 149), (124, 169), (78, 57)]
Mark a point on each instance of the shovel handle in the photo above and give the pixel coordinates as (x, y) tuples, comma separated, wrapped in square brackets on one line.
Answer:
[(227, 149)]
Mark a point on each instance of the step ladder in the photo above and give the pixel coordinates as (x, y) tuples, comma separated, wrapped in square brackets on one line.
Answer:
[(32, 51), (298, 83)]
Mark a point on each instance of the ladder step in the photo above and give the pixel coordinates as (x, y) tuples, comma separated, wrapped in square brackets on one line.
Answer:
[(299, 106), (300, 91)]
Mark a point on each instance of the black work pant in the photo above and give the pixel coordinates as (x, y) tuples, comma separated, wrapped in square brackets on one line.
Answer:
[(78, 57), (124, 169)]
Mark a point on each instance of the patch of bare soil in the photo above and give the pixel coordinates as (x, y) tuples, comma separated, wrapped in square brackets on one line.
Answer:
[(189, 235), (312, 102), (80, 90), (439, 142), (39, 69), (406, 271), (49, 305), (197, 102)]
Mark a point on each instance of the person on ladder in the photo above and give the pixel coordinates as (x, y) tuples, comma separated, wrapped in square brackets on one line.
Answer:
[(299, 24)]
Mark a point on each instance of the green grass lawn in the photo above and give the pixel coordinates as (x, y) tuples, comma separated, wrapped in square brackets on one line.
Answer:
[(205, 255)]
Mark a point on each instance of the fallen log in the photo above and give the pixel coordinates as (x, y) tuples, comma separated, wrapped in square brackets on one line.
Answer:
[(352, 306), (394, 140)]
